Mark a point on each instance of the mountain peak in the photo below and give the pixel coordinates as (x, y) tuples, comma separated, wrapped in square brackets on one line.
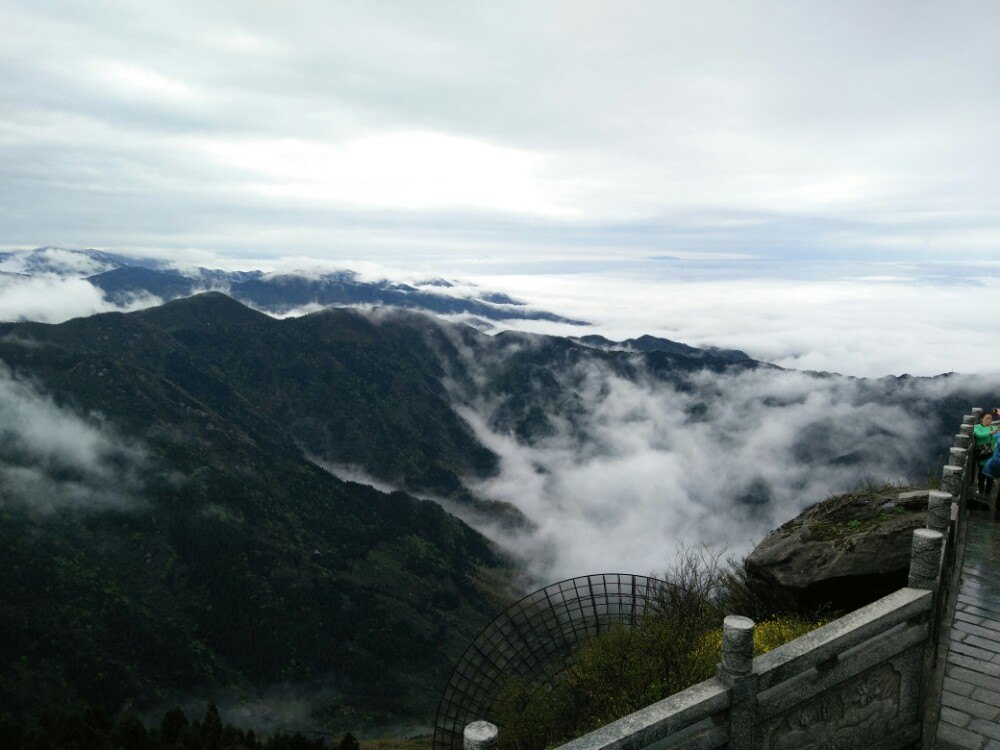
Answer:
[(207, 309)]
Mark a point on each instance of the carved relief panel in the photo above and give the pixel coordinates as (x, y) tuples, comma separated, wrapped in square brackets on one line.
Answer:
[(851, 716)]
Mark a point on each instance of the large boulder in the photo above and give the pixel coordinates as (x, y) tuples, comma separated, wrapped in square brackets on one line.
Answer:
[(842, 553)]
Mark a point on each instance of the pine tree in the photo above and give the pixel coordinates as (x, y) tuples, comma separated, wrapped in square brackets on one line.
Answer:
[(130, 734), (173, 723), (211, 728)]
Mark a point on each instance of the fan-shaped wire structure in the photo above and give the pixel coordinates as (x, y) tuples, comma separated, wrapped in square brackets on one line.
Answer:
[(534, 639)]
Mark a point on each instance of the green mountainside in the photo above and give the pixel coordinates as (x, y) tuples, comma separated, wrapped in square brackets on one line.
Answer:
[(348, 389), (237, 563)]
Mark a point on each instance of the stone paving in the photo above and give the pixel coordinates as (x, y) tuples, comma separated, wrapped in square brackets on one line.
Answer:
[(970, 697)]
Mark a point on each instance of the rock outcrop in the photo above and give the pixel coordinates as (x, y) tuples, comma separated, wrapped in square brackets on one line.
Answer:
[(842, 553)]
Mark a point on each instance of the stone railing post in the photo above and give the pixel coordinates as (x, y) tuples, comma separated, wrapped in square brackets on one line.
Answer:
[(968, 419), (951, 482), (962, 441), (966, 429), (939, 511), (925, 559), (735, 671), (957, 456), (479, 735), (977, 412)]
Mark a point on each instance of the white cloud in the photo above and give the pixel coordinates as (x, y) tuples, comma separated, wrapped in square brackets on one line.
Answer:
[(854, 318), (56, 299), (54, 261), (133, 81), (856, 326), (353, 130), (356, 474), (52, 459), (402, 170), (647, 475)]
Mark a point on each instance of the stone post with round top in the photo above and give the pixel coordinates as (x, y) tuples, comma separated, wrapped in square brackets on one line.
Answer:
[(951, 481), (479, 735), (939, 510), (925, 559), (736, 672)]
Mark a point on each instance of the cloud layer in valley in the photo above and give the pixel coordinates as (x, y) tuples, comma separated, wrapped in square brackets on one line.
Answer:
[(855, 318), (716, 460), (54, 300)]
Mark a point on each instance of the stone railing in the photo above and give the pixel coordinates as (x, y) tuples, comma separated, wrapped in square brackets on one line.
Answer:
[(860, 681)]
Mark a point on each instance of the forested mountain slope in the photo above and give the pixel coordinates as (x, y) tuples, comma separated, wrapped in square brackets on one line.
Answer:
[(166, 530), (204, 550)]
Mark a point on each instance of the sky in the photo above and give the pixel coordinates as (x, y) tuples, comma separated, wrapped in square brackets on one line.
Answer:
[(511, 132)]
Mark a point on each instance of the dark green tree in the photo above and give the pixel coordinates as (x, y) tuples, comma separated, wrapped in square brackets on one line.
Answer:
[(232, 737), (131, 734), (190, 738), (87, 730), (10, 733), (95, 717), (37, 739), (174, 722), (211, 728)]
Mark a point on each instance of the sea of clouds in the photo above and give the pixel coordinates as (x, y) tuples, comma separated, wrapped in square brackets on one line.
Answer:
[(715, 460), (867, 320), (645, 476)]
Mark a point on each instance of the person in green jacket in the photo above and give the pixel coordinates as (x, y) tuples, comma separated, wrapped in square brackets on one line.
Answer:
[(985, 445)]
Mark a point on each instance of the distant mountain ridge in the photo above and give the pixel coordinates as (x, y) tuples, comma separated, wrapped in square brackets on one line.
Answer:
[(649, 343), (122, 279), (65, 262)]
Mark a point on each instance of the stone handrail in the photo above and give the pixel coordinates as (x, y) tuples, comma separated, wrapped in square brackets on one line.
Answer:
[(686, 710), (841, 635), (857, 682)]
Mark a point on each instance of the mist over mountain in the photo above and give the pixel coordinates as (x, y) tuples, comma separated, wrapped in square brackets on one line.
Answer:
[(163, 537), (200, 540), (649, 343), (120, 282)]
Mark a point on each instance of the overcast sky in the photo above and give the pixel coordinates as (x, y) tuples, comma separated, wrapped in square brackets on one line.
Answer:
[(522, 131)]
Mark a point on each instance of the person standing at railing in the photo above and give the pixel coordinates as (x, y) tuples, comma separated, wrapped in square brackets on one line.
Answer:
[(992, 470), (985, 446)]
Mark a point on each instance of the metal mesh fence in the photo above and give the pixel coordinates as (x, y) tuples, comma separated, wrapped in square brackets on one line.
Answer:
[(534, 640)]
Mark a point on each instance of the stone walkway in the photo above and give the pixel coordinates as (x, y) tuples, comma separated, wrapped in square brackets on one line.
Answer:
[(970, 698)]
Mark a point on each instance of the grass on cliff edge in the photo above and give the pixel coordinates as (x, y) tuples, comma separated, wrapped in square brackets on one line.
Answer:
[(625, 669), (869, 505)]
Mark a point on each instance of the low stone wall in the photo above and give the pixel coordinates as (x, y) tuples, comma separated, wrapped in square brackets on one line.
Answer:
[(857, 682)]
